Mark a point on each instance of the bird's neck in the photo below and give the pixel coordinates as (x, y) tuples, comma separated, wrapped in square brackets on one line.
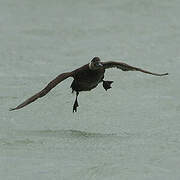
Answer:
[(90, 66)]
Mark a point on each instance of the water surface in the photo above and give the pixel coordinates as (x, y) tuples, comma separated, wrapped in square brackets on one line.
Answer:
[(130, 132)]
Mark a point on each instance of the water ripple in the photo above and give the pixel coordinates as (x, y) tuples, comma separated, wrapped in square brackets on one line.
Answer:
[(69, 133)]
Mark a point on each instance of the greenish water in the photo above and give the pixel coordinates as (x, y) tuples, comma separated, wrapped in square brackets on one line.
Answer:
[(131, 131)]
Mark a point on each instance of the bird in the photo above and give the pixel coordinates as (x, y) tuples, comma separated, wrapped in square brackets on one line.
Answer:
[(85, 78)]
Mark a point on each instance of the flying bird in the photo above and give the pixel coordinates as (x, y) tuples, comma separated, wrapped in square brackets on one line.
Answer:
[(85, 78)]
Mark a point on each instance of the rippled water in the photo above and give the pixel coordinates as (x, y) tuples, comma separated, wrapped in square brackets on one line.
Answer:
[(129, 132)]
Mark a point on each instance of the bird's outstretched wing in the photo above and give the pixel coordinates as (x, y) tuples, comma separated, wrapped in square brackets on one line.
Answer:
[(44, 91), (126, 67)]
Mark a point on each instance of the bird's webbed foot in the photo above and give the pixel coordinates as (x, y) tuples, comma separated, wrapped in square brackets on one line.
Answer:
[(75, 103), (107, 85)]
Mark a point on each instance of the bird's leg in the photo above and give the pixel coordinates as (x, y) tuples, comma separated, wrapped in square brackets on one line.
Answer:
[(76, 103), (107, 84)]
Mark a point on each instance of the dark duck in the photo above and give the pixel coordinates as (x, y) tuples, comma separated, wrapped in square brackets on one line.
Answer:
[(85, 78)]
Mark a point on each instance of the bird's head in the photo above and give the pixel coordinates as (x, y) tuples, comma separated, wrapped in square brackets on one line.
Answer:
[(95, 64)]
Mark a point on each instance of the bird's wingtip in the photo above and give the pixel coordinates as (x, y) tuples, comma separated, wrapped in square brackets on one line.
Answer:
[(164, 74), (12, 109)]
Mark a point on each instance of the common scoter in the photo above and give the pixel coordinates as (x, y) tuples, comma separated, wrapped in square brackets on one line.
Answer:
[(86, 77)]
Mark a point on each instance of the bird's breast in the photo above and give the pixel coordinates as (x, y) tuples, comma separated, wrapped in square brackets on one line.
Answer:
[(87, 80), (90, 76)]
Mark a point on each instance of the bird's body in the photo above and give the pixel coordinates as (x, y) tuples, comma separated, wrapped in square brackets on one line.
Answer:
[(85, 78)]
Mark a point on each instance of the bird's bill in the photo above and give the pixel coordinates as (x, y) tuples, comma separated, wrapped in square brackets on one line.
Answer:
[(100, 64)]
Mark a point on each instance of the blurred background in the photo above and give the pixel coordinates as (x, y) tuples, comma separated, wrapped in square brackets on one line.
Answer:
[(132, 131)]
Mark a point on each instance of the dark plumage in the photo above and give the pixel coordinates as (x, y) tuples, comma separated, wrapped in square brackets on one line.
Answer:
[(86, 78)]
